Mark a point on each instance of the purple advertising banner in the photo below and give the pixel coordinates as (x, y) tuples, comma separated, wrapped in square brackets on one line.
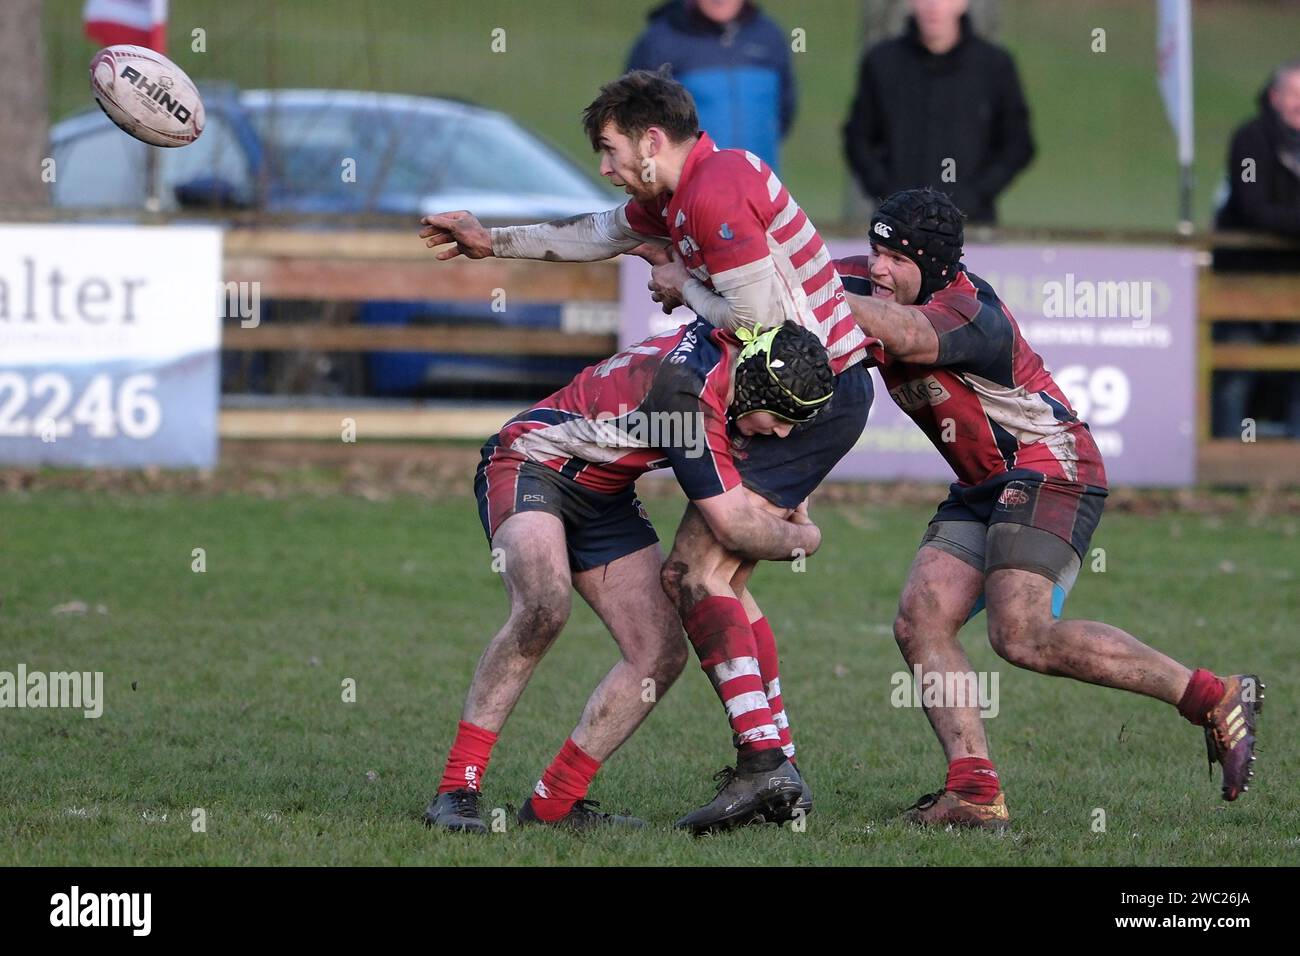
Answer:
[(1116, 327)]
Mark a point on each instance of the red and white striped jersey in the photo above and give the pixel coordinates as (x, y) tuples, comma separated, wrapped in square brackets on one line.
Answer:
[(987, 403), (659, 403), (729, 214)]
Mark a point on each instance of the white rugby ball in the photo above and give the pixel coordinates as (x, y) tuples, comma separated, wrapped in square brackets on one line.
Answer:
[(147, 95)]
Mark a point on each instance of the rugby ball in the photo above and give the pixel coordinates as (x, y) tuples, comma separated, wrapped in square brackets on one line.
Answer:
[(146, 95)]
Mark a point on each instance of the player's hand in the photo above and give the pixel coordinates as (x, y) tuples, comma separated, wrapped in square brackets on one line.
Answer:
[(651, 252), (800, 514), (669, 278), (667, 301), (800, 517), (656, 255), (471, 239)]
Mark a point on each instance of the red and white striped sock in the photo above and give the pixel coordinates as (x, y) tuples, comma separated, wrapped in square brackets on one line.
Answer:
[(468, 759), (769, 667), (719, 630), (564, 782)]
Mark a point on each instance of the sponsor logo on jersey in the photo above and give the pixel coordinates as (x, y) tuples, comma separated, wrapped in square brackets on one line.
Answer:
[(684, 348), (725, 232), (914, 395)]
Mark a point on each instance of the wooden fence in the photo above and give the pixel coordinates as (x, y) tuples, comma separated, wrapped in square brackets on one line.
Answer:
[(339, 267)]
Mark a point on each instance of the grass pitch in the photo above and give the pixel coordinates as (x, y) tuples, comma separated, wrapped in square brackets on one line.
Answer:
[(223, 691)]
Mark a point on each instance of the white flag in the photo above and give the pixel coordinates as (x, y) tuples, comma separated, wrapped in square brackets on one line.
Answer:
[(1174, 66)]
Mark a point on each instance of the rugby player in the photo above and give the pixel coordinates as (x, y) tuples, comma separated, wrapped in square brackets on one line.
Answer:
[(1016, 524), (556, 496), (741, 251)]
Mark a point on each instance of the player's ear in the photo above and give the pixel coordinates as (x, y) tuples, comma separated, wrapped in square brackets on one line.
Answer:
[(654, 141)]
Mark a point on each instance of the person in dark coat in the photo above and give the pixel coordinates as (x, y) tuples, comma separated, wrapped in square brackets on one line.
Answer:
[(941, 107), (735, 60), (1263, 196), (1264, 162)]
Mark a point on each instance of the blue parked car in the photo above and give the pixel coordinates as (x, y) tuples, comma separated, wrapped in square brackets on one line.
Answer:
[(284, 152)]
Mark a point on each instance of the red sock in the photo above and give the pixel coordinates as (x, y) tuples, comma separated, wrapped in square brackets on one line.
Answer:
[(468, 759), (564, 782), (1204, 690), (769, 668), (974, 779), (719, 630)]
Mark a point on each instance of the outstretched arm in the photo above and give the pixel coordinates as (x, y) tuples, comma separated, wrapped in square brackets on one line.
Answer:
[(903, 330), (584, 238)]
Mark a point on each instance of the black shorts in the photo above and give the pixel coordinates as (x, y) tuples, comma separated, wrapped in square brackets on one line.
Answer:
[(787, 470), (598, 528)]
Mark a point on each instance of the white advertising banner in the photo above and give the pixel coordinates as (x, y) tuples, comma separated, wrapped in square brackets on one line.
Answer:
[(109, 345)]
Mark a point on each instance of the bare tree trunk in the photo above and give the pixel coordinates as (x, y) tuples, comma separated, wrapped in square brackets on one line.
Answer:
[(24, 122), (882, 19)]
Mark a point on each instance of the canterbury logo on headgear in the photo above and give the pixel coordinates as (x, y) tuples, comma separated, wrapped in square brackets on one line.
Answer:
[(881, 230)]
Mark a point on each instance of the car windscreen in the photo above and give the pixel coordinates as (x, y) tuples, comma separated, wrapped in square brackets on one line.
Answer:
[(99, 166), (349, 153)]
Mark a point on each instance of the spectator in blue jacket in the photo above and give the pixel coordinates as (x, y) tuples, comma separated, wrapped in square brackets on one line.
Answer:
[(735, 60)]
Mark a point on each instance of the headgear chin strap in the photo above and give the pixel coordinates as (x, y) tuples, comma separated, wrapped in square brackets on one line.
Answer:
[(925, 226), (784, 371)]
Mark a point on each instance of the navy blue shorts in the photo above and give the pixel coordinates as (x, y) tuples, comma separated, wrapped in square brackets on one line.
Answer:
[(787, 470), (1044, 525), (1067, 509), (598, 528)]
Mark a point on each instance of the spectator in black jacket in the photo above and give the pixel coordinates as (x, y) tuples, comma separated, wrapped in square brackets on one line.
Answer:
[(1263, 196), (939, 107), (1264, 162)]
